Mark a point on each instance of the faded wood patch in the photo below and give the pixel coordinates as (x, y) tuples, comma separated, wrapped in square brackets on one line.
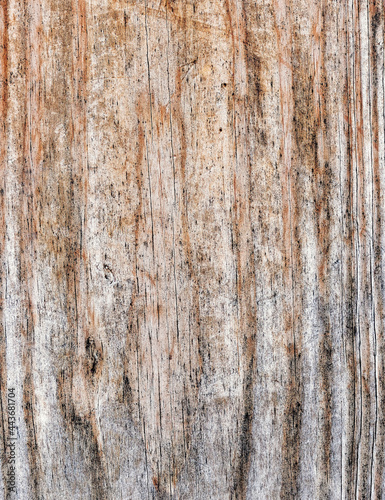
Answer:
[(192, 241)]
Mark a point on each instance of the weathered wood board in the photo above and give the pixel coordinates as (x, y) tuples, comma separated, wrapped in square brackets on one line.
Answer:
[(192, 249)]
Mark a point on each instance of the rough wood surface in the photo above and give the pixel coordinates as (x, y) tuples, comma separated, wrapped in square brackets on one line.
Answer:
[(192, 249)]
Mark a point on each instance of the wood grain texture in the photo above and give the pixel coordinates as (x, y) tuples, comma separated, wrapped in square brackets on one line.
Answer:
[(192, 249)]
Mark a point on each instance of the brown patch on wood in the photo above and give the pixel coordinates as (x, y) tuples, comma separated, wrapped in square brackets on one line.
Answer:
[(243, 91), (376, 24), (154, 327), (31, 168), (293, 411)]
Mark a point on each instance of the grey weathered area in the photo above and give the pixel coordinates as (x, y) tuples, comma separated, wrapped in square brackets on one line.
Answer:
[(193, 249)]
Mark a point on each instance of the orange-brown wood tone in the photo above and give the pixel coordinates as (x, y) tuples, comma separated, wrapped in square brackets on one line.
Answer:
[(192, 249)]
